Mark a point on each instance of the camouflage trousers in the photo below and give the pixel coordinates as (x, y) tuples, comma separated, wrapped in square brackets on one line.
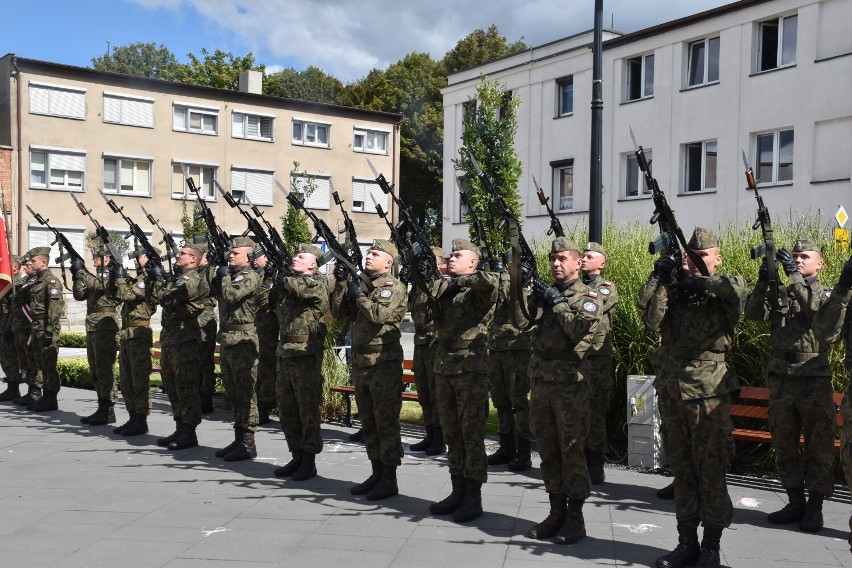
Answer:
[(267, 361), (846, 436), (803, 406), (206, 364), (424, 379), (101, 350), (134, 370), (46, 358), (697, 445), (179, 370), (509, 385), (560, 423), (239, 374), (299, 392), (378, 393), (9, 360), (598, 372), (463, 408), (25, 351)]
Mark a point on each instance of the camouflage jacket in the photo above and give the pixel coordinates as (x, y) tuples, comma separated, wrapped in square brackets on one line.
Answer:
[(182, 299), (237, 307), (421, 314), (101, 312), (21, 315), (265, 319), (695, 336), (301, 306), (377, 315), (504, 335), (462, 322), (208, 314), (138, 304), (46, 302), (608, 296), (795, 349), (833, 321)]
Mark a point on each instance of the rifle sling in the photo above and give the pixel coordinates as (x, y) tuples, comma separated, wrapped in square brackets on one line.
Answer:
[(516, 294), (693, 256)]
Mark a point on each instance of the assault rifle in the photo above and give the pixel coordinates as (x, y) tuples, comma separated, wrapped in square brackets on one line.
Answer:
[(220, 245), (102, 233), (407, 256), (66, 249), (555, 223), (351, 241), (671, 237), (767, 249), (274, 235), (477, 224), (168, 240), (154, 259)]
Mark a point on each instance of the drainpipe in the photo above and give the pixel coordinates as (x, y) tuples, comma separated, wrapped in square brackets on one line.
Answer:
[(20, 193)]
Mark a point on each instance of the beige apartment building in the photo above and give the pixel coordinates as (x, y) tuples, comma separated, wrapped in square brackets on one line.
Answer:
[(71, 129)]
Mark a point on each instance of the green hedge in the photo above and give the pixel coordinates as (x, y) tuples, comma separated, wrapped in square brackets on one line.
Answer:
[(72, 339)]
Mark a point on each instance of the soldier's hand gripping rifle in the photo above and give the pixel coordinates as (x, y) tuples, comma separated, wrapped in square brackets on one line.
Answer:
[(168, 240), (671, 237), (274, 235), (555, 223), (351, 241), (139, 235), (102, 233), (777, 291), (220, 245), (66, 249)]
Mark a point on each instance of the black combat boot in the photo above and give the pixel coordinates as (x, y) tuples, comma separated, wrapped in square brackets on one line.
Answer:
[(471, 505), (166, 440), (245, 449), (230, 447), (137, 427), (424, 444), (370, 482), (793, 511), (709, 555), (386, 487), (33, 393), (522, 460), (120, 429), (357, 436), (207, 403), (262, 413), (574, 527), (186, 438), (812, 519), (307, 467), (46, 403), (505, 452), (96, 413), (105, 414), (13, 391), (290, 467), (437, 447), (687, 550), (666, 492), (595, 463), (554, 521), (453, 500)]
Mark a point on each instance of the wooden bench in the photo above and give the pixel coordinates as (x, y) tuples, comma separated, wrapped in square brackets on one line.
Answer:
[(157, 355), (348, 391), (753, 406)]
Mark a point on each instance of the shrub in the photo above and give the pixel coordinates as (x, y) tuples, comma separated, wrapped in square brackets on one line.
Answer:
[(72, 339), (74, 373)]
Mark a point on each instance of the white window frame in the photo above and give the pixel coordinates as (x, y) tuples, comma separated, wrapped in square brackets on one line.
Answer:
[(59, 160), (556, 193), (365, 134), (775, 168), (707, 148), (75, 234), (780, 62), (132, 110), (630, 166), (203, 173), (121, 160), (369, 188), (705, 63), (561, 83), (305, 125), (256, 183), (320, 198), (58, 100), (644, 93), (188, 111), (246, 117)]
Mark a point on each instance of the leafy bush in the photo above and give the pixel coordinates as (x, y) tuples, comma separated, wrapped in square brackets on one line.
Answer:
[(74, 373), (72, 339)]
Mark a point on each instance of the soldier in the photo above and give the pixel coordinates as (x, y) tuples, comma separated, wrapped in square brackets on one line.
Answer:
[(8, 356), (697, 318), (301, 302), (424, 374), (182, 299), (101, 329), (47, 304), (22, 326), (138, 304), (598, 360), (832, 323), (377, 363), (559, 403), (208, 325), (509, 381), (464, 303), (800, 392), (266, 323)]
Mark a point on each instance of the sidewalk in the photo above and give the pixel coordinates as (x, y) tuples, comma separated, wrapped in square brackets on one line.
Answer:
[(75, 496)]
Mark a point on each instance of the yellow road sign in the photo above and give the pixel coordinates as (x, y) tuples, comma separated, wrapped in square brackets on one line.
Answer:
[(841, 217), (841, 239)]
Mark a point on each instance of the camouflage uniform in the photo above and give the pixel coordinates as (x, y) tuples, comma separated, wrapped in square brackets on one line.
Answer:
[(8, 356), (208, 326), (424, 375), (22, 337), (266, 322), (47, 304)]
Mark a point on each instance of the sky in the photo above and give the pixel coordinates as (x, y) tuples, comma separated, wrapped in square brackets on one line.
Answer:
[(345, 38)]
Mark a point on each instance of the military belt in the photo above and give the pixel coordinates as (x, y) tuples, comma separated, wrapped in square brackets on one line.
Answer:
[(685, 353), (365, 349), (302, 338), (104, 311), (226, 327), (559, 355), (795, 356), (138, 323), (458, 344), (182, 324)]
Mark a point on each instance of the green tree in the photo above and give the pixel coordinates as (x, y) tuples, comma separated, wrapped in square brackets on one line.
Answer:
[(489, 136), (219, 69), (479, 47), (141, 60), (311, 84), (192, 226), (294, 224), (116, 239)]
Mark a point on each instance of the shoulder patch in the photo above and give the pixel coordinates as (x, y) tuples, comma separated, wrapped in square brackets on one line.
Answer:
[(141, 284), (52, 282), (605, 291), (54, 291), (385, 294), (238, 277), (828, 293), (590, 306), (592, 294)]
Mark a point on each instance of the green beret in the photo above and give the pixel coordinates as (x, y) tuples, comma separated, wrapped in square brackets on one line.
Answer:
[(17, 259), (139, 251), (38, 251), (703, 239), (239, 242), (465, 244), (564, 244), (592, 246), (310, 248), (438, 252), (200, 248), (385, 246), (806, 245)]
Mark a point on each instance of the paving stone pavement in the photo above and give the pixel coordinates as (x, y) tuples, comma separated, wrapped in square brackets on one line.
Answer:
[(78, 496)]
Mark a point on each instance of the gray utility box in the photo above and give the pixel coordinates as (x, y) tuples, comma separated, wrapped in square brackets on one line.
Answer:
[(644, 443)]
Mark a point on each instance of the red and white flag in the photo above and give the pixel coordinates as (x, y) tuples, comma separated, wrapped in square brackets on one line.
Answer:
[(5, 261)]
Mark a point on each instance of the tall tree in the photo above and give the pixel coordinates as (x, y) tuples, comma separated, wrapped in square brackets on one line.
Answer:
[(295, 228), (479, 47), (141, 60), (219, 69), (311, 84)]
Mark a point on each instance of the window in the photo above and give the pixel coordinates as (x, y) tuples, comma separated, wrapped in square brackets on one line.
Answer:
[(703, 62), (776, 43), (775, 156), (43, 237), (365, 195), (639, 77), (127, 175), (563, 185), (57, 169), (311, 133), (200, 120), (256, 185), (57, 101), (372, 141), (318, 188), (700, 166), (131, 111), (203, 176), (251, 126), (634, 181), (565, 96)]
